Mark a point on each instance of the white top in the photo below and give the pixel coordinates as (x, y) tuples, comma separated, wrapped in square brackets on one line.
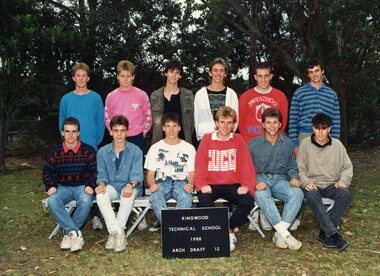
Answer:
[(203, 117), (170, 162)]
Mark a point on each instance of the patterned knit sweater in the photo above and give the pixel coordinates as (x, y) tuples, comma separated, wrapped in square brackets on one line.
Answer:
[(70, 168)]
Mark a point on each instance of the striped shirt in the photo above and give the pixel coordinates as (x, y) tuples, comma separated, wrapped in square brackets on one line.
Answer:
[(308, 101)]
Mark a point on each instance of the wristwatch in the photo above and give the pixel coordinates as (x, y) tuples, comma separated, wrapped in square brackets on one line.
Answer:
[(133, 184)]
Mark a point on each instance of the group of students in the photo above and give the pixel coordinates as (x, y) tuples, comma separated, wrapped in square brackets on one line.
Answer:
[(259, 164)]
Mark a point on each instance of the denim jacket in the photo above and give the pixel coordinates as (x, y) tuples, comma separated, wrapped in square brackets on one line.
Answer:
[(187, 108), (278, 159), (131, 166)]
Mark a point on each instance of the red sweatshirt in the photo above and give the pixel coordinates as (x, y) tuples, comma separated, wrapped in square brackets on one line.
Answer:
[(224, 162), (251, 107)]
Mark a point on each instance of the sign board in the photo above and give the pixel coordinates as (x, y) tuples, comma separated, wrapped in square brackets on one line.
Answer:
[(195, 233)]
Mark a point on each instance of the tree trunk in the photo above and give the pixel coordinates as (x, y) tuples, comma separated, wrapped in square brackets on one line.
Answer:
[(252, 48), (3, 141), (340, 86)]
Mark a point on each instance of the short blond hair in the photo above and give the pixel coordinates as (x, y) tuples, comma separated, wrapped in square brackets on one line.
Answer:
[(226, 111), (125, 65), (80, 65)]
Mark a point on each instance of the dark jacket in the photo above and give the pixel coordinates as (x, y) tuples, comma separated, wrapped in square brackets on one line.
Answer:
[(187, 108)]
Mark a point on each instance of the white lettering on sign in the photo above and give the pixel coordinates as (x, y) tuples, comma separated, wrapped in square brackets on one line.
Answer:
[(178, 250), (183, 229), (211, 228), (195, 218), (197, 249)]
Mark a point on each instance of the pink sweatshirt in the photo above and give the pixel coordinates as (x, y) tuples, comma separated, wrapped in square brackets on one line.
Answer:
[(133, 104)]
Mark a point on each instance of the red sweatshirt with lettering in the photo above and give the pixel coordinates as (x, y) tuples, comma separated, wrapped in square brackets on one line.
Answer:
[(252, 104), (224, 162)]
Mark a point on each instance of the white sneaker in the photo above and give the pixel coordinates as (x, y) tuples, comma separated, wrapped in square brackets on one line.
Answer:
[(120, 242), (78, 242), (110, 244), (96, 223), (233, 241), (142, 225), (236, 229), (279, 241), (295, 225), (66, 243), (265, 225), (292, 242), (255, 217)]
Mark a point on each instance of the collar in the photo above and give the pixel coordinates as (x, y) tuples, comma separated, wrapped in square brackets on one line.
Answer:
[(263, 139), (313, 88), (266, 92), (75, 149), (329, 142), (111, 148), (215, 137)]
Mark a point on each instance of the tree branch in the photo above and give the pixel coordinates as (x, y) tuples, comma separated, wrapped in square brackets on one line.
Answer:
[(63, 7), (265, 40), (225, 18)]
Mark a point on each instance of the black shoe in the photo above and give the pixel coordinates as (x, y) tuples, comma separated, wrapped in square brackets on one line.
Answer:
[(156, 226), (340, 242), (328, 242)]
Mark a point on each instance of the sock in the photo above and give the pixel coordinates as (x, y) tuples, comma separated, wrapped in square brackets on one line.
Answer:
[(287, 225), (73, 234), (282, 228)]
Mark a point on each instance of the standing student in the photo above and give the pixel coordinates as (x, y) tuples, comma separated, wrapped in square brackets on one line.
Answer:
[(172, 98), (209, 99), (87, 107), (255, 101), (131, 102), (310, 99)]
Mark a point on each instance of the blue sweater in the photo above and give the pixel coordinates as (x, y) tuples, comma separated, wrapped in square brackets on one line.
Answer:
[(89, 110), (307, 101)]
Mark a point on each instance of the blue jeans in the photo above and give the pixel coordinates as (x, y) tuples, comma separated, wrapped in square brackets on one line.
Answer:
[(328, 222), (168, 190), (65, 194), (279, 188)]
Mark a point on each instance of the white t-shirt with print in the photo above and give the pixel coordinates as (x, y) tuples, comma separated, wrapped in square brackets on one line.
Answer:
[(170, 162)]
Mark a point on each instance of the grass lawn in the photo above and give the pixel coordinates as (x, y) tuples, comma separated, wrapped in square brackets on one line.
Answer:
[(25, 250)]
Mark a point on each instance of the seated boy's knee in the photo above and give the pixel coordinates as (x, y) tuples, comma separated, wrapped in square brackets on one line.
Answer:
[(345, 194), (85, 199), (52, 201), (298, 193)]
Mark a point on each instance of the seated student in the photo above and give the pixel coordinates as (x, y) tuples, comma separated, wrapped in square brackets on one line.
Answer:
[(120, 176), (223, 169), (325, 171), (170, 165), (273, 156), (69, 173)]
